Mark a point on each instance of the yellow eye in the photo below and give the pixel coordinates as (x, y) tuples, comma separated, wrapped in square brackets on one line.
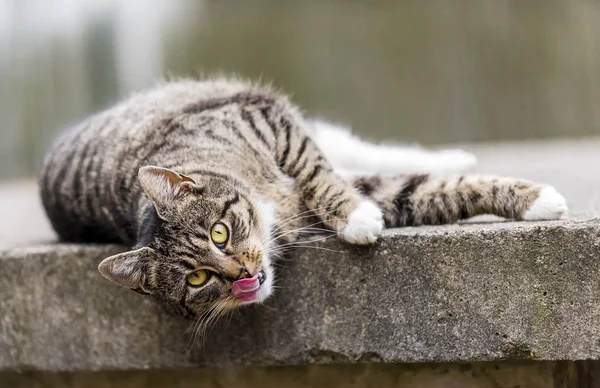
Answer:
[(219, 234), (198, 278)]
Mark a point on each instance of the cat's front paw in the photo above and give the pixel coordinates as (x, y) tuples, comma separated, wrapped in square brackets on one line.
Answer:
[(549, 205), (365, 223)]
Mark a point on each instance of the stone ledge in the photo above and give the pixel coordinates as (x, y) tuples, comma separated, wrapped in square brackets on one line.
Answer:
[(435, 294)]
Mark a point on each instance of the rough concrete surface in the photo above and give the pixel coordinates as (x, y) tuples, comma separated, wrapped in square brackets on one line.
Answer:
[(455, 293), (459, 293)]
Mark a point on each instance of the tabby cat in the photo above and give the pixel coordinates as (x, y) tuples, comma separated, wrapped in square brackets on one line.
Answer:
[(206, 180)]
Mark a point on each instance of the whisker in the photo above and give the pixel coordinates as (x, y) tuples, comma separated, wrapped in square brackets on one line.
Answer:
[(277, 228), (214, 316), (284, 233), (315, 210), (307, 230), (230, 316), (190, 341), (305, 241), (303, 244), (299, 216), (289, 197), (294, 230), (199, 323), (320, 248)]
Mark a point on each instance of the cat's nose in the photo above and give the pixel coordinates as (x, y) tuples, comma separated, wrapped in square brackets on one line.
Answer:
[(249, 268), (244, 273)]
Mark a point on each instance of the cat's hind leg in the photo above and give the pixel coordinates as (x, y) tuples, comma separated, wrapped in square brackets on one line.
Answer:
[(432, 200), (350, 155)]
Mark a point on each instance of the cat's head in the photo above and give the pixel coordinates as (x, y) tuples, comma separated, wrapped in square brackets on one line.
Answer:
[(203, 245)]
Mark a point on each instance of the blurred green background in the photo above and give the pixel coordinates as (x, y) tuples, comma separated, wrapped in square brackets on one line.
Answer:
[(428, 71)]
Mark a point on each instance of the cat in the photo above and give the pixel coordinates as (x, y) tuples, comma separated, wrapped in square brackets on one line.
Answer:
[(207, 181)]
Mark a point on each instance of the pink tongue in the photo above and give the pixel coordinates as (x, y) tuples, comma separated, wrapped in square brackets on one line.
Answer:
[(246, 289)]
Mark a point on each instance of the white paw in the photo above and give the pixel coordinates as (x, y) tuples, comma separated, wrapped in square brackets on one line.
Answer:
[(549, 205), (365, 223), (453, 161)]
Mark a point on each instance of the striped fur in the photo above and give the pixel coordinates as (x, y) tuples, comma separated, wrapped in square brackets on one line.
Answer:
[(234, 152)]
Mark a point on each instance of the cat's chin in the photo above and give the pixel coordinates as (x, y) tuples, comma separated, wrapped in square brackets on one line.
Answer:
[(266, 289)]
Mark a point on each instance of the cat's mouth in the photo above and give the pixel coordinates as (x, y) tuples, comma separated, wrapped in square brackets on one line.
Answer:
[(249, 289)]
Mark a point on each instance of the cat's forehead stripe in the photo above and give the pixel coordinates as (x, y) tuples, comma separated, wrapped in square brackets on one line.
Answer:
[(199, 235), (185, 264), (229, 203)]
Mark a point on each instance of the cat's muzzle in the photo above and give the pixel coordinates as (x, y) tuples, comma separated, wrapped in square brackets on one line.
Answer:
[(247, 289)]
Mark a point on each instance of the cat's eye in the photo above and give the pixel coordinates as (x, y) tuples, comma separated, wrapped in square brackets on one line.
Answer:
[(219, 235), (198, 278)]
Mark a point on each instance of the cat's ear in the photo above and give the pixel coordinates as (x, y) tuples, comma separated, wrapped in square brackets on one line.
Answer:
[(129, 269), (162, 185)]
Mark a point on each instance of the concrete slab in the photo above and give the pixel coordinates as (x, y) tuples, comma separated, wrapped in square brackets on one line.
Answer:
[(446, 294)]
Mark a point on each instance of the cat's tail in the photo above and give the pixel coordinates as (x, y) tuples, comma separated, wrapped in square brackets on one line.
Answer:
[(432, 200)]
